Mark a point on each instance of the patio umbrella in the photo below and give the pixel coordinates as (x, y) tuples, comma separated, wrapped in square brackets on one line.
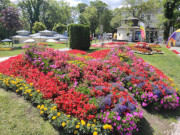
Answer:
[(6, 40), (51, 40), (29, 41)]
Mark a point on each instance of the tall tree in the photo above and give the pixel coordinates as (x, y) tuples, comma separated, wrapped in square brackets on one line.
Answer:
[(171, 11), (53, 12), (136, 8), (81, 7), (90, 17), (10, 19), (32, 8), (117, 18)]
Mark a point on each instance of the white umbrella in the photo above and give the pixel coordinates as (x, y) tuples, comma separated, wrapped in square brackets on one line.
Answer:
[(6, 40), (29, 41), (51, 40)]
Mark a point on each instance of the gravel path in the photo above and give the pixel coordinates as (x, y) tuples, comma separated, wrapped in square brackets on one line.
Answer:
[(178, 50)]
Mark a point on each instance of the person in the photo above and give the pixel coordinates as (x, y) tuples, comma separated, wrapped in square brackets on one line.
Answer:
[(99, 37)]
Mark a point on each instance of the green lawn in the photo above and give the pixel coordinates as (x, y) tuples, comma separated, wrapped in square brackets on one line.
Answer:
[(19, 51), (18, 117), (160, 123), (168, 62)]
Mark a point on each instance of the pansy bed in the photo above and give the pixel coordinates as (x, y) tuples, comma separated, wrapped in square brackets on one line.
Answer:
[(93, 93)]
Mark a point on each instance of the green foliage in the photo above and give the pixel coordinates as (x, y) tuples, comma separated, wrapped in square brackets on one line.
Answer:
[(91, 18), (54, 12), (60, 28), (31, 8), (39, 26), (171, 13), (79, 36), (117, 18), (81, 7)]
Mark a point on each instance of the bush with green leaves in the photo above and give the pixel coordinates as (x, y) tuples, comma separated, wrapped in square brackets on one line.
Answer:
[(60, 28), (79, 36), (39, 26)]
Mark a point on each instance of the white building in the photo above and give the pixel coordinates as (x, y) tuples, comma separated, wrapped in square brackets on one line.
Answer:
[(130, 31)]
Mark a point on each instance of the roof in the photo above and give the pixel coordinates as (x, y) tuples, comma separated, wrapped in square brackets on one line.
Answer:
[(22, 31), (126, 26), (6, 40)]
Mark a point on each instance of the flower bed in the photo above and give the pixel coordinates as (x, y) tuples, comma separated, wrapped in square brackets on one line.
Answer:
[(144, 48), (93, 89)]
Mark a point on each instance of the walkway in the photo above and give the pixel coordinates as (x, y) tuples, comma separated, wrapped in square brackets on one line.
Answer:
[(176, 48)]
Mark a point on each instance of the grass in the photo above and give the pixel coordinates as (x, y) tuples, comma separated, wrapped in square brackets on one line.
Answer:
[(160, 123), (19, 51), (168, 62), (19, 117)]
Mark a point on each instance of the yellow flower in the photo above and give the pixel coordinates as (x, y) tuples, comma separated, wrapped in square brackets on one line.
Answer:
[(45, 109), (58, 114), (38, 106), (95, 133), (107, 126), (77, 126), (88, 125), (69, 115), (31, 95), (54, 117), (17, 90), (94, 120), (38, 91), (63, 124), (75, 131), (83, 122), (31, 84), (41, 112), (26, 87), (95, 129), (55, 107), (0, 73), (93, 125)]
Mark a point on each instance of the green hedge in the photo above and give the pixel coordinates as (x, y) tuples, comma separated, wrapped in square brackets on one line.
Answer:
[(79, 36)]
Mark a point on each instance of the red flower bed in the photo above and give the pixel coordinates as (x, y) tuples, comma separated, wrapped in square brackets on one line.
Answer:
[(50, 87), (75, 51), (99, 54)]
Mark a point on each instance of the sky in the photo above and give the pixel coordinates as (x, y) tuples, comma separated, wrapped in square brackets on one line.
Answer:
[(112, 3)]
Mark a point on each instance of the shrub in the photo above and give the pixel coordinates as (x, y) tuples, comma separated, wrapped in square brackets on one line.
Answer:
[(39, 26), (60, 28), (79, 36)]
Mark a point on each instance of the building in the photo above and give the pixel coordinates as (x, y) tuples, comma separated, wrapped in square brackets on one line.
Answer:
[(130, 30), (39, 37)]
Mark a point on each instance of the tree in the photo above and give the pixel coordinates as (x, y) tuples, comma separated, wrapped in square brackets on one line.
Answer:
[(53, 12), (4, 4), (90, 17), (32, 9), (39, 26), (101, 6), (117, 18), (60, 28), (171, 11), (81, 7), (136, 8), (10, 19)]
